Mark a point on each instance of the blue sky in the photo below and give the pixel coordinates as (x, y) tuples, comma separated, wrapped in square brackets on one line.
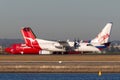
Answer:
[(59, 19)]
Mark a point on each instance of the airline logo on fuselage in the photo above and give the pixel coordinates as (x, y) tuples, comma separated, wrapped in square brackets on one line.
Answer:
[(32, 42), (103, 38)]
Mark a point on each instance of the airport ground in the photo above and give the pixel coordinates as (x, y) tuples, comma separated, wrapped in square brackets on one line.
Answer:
[(60, 63), (74, 57)]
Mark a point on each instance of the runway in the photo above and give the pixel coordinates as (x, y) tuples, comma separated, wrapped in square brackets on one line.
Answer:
[(59, 63), (59, 57), (80, 63)]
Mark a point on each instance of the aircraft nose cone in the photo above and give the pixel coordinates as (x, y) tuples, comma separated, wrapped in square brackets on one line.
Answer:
[(8, 50)]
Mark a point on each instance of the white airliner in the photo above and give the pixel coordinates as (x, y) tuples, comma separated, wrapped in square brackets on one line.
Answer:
[(34, 45), (48, 47), (95, 45)]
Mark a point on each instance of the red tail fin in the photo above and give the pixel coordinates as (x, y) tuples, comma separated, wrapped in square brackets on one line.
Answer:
[(29, 37)]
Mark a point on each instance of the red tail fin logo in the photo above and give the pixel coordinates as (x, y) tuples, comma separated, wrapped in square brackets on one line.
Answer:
[(103, 38), (29, 37)]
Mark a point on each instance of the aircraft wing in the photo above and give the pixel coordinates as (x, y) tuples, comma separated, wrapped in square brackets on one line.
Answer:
[(64, 43)]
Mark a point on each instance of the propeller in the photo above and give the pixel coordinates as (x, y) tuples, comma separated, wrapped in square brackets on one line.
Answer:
[(78, 40), (76, 43)]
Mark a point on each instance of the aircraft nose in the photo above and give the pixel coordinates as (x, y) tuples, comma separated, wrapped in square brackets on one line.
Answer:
[(8, 50)]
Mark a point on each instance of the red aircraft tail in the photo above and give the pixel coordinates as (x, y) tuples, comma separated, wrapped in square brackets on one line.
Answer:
[(29, 37)]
